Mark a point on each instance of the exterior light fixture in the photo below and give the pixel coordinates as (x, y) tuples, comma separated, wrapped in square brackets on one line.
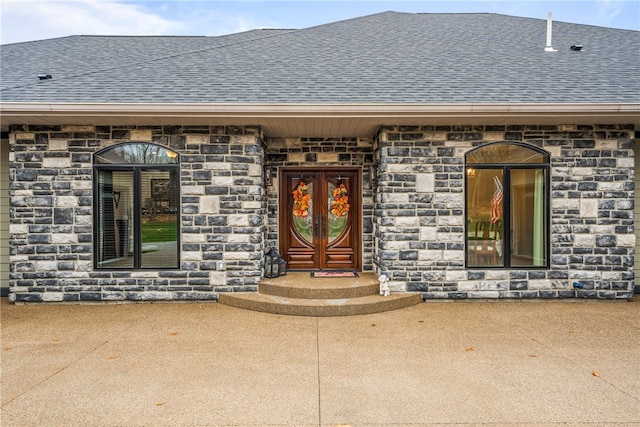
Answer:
[(268, 175), (372, 176), (274, 265)]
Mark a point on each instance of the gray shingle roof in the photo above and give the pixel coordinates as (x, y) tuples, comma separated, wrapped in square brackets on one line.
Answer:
[(384, 58)]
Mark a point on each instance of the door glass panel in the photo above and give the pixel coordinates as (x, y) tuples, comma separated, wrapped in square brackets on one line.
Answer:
[(115, 215), (302, 210), (338, 210), (159, 230)]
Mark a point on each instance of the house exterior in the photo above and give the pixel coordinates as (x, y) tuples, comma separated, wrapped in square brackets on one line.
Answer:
[(462, 155)]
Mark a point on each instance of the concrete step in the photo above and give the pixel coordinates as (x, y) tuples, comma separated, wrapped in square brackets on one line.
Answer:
[(301, 285), (319, 307)]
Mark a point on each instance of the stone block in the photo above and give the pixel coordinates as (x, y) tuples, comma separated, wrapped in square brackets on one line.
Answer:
[(456, 275), (395, 198), (237, 256), (238, 220), (454, 256), (589, 208), (66, 201), (626, 240), (561, 203), (255, 170), (16, 229), (428, 233), (483, 294), (291, 143), (430, 255), (492, 285), (144, 135), (157, 296), (450, 200), (223, 182), (626, 163), (209, 205), (53, 296), (197, 139), (584, 240), (188, 190), (539, 284), (470, 285), (450, 221), (56, 162), (64, 238), (253, 206), (216, 166), (425, 183), (85, 185), (610, 186), (395, 168), (327, 157), (297, 158), (606, 241), (193, 238), (58, 145), (497, 275)]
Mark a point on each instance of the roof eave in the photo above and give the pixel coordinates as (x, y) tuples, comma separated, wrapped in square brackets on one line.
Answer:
[(359, 120)]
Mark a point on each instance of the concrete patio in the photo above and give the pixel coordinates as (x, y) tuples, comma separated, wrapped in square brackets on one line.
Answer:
[(539, 363)]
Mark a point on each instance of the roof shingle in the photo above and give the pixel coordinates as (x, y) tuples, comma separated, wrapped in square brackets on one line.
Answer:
[(384, 58)]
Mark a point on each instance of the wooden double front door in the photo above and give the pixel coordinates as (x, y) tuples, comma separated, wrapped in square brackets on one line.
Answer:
[(320, 218)]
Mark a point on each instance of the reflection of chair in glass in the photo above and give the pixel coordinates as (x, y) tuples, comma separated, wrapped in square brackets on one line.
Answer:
[(486, 242)]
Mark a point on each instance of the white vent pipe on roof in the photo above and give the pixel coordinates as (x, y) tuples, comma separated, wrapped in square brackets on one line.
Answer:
[(549, 48)]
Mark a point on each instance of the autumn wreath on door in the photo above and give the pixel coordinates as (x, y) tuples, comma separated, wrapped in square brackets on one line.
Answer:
[(340, 201), (301, 200)]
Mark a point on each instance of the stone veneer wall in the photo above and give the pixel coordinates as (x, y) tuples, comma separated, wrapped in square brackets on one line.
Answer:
[(419, 212), (305, 152), (223, 212)]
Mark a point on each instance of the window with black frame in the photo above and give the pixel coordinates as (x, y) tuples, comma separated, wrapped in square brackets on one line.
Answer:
[(507, 206), (136, 207)]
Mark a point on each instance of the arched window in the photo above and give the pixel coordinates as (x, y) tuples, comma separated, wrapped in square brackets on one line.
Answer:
[(136, 207), (507, 206)]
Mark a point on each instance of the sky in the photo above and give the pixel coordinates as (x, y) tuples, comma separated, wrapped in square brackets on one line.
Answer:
[(26, 20)]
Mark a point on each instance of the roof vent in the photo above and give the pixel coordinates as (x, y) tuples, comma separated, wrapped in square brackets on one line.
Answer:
[(44, 76), (577, 47), (549, 48)]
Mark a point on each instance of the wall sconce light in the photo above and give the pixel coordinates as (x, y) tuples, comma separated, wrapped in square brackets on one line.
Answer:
[(268, 175), (471, 172), (372, 177)]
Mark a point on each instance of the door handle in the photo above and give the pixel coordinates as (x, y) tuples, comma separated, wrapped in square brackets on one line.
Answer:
[(324, 226), (315, 226)]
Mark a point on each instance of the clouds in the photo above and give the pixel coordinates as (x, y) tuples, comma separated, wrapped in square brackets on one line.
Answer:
[(608, 11), (33, 20), (23, 20)]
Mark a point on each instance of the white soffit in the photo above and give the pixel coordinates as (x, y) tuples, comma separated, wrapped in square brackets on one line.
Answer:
[(322, 120)]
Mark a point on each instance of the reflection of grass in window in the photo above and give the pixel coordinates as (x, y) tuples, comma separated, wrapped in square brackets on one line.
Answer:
[(304, 227), (336, 226), (159, 232)]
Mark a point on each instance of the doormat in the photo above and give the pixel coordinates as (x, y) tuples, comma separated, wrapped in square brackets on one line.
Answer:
[(334, 274)]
